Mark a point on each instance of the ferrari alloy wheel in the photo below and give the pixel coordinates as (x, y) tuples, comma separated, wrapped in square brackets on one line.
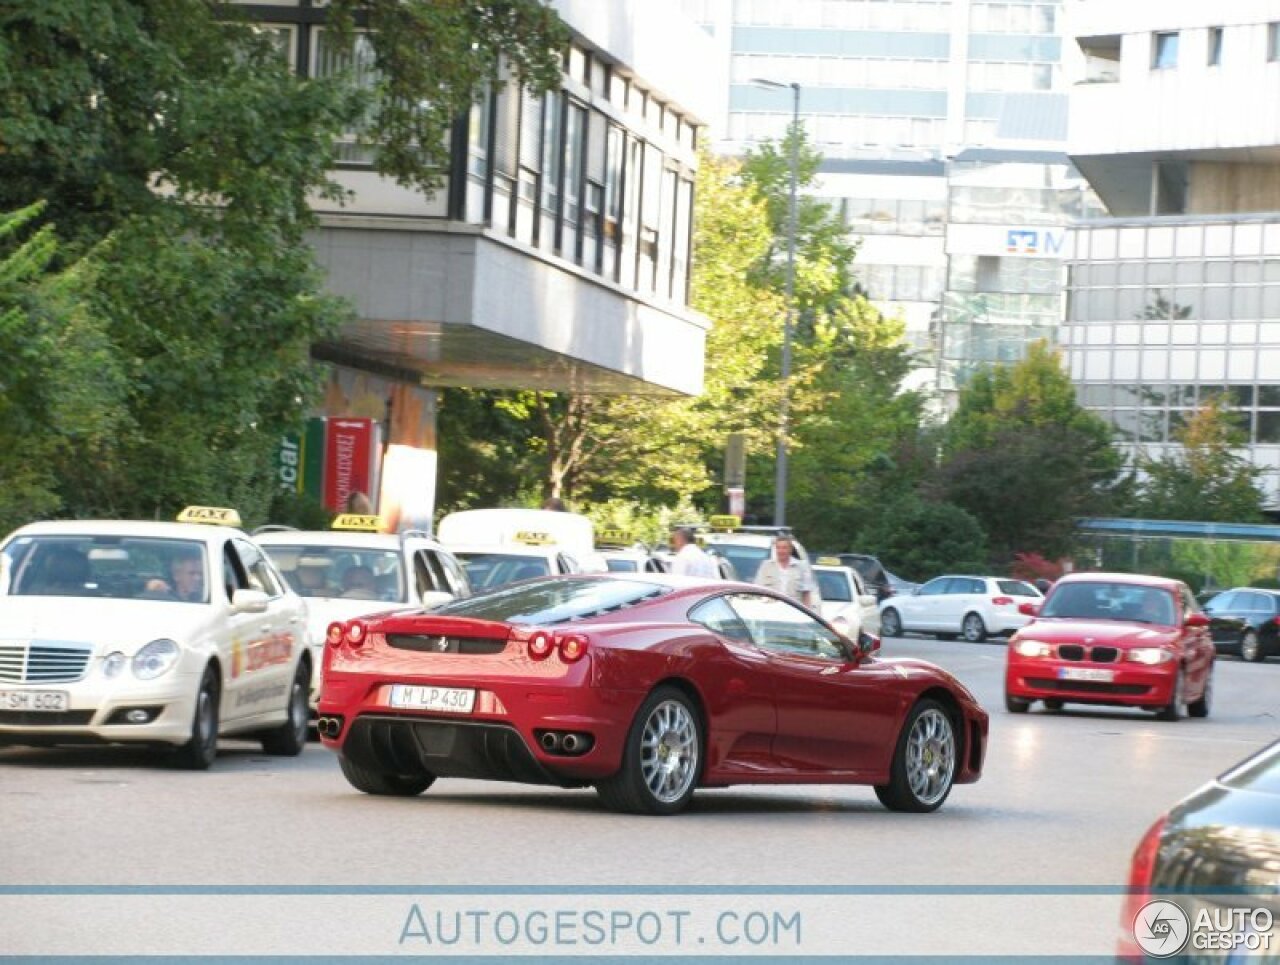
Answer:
[(1177, 706), (1250, 648), (383, 782), (289, 739), (198, 753), (662, 758), (890, 623), (924, 762), (1201, 707), (973, 629)]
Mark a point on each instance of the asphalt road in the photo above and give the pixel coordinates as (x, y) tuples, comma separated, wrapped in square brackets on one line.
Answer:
[(1064, 799)]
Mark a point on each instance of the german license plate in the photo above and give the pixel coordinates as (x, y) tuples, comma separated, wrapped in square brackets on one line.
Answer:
[(51, 701), (453, 700), (1086, 673)]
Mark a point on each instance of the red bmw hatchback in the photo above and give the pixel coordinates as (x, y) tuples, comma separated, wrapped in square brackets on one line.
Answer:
[(645, 687), (1113, 638)]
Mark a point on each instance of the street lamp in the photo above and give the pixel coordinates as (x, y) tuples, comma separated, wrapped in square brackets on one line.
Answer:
[(780, 478)]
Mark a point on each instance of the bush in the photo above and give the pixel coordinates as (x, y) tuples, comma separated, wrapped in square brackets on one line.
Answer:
[(918, 539)]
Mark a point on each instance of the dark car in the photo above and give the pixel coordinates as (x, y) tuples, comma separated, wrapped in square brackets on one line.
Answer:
[(1246, 621), (1216, 850), (874, 576)]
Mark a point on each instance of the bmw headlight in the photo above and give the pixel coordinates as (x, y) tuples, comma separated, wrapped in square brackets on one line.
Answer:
[(1151, 656), (155, 659), (1033, 648), (113, 665)]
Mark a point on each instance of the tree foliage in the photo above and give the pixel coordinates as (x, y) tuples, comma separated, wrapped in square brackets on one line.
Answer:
[(175, 154), (1207, 479), (919, 539), (1025, 459)]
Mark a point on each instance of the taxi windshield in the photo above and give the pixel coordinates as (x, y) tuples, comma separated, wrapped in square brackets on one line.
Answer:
[(554, 601), (1101, 600), (340, 572), (120, 567), (833, 587), (746, 558), (489, 570)]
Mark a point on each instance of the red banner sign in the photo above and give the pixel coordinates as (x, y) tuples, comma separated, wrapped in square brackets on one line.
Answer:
[(348, 464)]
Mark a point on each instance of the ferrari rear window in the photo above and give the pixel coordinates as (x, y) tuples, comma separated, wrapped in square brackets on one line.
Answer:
[(553, 600)]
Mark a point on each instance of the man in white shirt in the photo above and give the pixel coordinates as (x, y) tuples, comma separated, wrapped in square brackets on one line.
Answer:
[(788, 574), (690, 559)]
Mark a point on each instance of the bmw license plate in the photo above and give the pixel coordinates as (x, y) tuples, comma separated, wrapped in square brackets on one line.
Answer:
[(50, 701), (1086, 673), (452, 700)]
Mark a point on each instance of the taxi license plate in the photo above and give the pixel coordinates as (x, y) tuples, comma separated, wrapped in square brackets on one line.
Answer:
[(1086, 673), (49, 701), (454, 700)]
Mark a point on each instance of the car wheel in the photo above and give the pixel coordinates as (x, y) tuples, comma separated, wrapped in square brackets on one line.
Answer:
[(289, 739), (890, 623), (1250, 648), (1016, 705), (384, 782), (924, 762), (1176, 707), (973, 629), (1201, 707), (199, 752), (662, 758), (1053, 703)]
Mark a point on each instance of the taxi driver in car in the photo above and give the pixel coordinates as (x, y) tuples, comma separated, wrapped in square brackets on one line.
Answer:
[(186, 584)]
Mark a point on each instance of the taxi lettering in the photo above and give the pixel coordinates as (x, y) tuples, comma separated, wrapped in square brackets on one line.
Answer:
[(275, 649)]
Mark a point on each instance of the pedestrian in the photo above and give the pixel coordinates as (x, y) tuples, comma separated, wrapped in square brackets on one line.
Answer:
[(690, 560), (788, 574)]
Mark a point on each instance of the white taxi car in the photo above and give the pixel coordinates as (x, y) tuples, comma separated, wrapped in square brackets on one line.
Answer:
[(499, 546), (158, 633), (354, 569), (846, 604)]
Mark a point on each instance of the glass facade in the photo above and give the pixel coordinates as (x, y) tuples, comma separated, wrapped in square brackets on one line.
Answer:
[(1163, 315)]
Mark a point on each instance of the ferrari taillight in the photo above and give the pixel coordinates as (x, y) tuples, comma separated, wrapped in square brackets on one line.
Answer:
[(540, 645), (333, 636), (356, 633), (573, 647)]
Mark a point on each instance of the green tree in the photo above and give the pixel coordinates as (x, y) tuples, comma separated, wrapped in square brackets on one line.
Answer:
[(918, 539), (1206, 479), (177, 154), (1025, 459)]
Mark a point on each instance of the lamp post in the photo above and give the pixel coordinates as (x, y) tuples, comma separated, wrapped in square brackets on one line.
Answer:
[(784, 413)]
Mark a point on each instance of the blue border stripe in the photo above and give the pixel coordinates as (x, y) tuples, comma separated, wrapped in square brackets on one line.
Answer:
[(654, 890)]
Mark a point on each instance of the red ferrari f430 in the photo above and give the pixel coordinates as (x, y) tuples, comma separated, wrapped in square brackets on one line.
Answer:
[(646, 688)]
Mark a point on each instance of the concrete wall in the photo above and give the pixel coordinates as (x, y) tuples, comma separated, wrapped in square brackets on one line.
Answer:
[(1219, 188)]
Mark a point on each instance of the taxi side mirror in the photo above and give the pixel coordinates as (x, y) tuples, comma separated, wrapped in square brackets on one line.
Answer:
[(1029, 609), (434, 598), (249, 601)]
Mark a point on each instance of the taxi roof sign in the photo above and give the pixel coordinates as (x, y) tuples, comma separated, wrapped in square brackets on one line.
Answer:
[(533, 538), (210, 515), (829, 561), (357, 522), (724, 522)]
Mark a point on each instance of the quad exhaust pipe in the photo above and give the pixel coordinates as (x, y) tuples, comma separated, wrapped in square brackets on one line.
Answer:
[(565, 743)]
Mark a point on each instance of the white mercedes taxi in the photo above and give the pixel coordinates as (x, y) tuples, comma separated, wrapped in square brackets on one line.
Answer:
[(354, 569), (499, 546), (168, 634)]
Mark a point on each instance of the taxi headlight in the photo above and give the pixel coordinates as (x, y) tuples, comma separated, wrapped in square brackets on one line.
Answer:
[(1151, 656), (1033, 648), (113, 665), (156, 658)]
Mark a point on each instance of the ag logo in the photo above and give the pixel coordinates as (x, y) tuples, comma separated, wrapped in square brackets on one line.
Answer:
[(1161, 928)]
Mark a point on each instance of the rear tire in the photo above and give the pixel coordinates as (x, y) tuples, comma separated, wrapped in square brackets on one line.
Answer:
[(1201, 707), (972, 628), (890, 623), (382, 782), (1251, 648), (199, 752), (924, 762), (662, 759), (289, 739)]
